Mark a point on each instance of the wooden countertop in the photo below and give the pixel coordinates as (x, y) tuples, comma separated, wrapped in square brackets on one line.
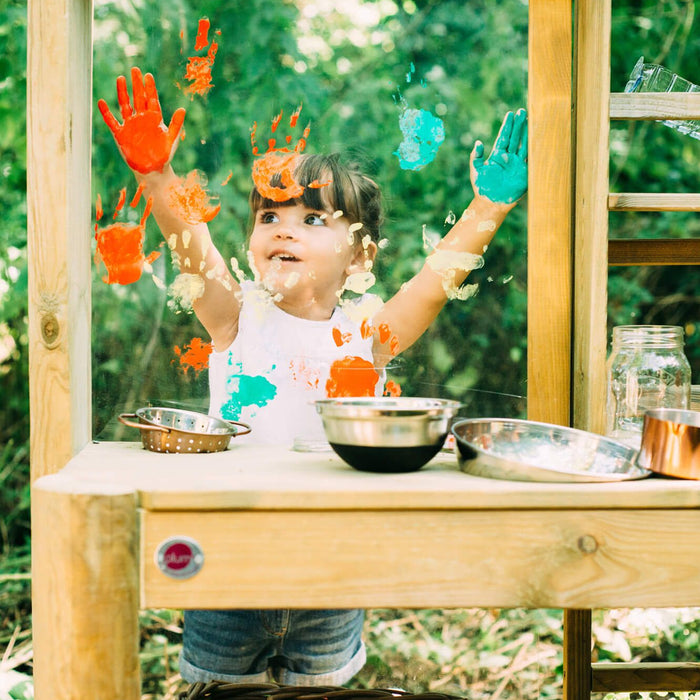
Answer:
[(267, 478)]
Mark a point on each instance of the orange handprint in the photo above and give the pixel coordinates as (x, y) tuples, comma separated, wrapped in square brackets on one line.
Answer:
[(120, 246), (144, 141), (273, 173)]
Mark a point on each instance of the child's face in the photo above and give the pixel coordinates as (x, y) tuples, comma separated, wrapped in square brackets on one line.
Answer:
[(303, 253)]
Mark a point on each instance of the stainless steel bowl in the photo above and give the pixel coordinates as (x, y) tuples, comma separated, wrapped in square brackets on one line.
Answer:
[(386, 434), (671, 443), (523, 450)]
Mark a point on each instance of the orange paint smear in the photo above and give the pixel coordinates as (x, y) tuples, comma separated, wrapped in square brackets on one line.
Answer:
[(384, 333), (120, 247), (99, 211), (202, 40), (351, 376), (191, 201), (137, 195), (198, 72), (341, 338), (278, 163), (227, 179), (301, 373), (194, 355), (120, 203), (392, 388)]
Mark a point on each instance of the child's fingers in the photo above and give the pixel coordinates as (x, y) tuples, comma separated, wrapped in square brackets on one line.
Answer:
[(151, 93), (176, 123), (519, 122), (522, 151), (123, 98), (503, 138), (109, 118), (138, 90)]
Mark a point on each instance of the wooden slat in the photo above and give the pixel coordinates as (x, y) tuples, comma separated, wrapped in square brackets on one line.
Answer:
[(577, 654), (549, 212), (654, 251), (645, 677), (59, 83), (655, 105), (576, 559), (653, 201), (593, 22)]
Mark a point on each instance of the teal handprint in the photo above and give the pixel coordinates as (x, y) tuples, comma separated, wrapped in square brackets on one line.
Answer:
[(502, 177)]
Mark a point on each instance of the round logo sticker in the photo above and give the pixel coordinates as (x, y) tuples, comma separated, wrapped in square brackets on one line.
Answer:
[(179, 557)]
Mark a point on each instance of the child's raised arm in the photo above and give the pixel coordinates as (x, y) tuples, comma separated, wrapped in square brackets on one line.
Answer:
[(148, 146), (498, 182)]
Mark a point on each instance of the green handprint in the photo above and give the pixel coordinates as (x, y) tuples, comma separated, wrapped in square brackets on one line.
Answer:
[(502, 177)]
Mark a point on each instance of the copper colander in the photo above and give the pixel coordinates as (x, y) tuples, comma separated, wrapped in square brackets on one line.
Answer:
[(177, 431)]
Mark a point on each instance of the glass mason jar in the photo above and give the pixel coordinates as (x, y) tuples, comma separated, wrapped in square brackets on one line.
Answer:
[(647, 368)]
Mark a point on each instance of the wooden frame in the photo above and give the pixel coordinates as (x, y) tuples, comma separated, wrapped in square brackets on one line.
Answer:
[(87, 558)]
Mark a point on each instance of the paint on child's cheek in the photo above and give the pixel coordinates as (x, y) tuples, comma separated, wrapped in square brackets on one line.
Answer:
[(190, 201), (120, 245), (351, 376), (198, 72), (194, 355), (423, 133)]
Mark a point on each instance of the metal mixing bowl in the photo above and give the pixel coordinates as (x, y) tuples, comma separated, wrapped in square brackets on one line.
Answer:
[(386, 434), (671, 443), (523, 450)]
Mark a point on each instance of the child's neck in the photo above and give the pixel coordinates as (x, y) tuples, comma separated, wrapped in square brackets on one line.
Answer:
[(310, 309)]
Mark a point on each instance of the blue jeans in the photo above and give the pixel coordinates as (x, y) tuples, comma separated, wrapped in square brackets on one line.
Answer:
[(292, 647)]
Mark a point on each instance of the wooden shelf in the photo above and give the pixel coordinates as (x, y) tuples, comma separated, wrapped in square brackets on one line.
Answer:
[(656, 251), (655, 105), (653, 201)]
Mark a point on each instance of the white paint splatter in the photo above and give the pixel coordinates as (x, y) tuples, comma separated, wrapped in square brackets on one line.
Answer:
[(337, 214), (185, 289), (447, 264), (354, 227), (186, 238), (488, 225), (359, 282), (358, 310), (291, 280), (383, 243), (451, 218)]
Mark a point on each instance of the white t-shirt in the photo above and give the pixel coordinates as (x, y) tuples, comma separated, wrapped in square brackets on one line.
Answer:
[(279, 364)]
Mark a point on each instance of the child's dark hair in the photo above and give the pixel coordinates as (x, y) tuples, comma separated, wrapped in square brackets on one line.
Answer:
[(357, 196)]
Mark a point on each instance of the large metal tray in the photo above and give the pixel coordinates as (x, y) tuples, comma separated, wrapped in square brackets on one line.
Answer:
[(522, 450)]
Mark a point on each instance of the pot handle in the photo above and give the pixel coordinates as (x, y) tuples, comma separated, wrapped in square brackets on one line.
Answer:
[(122, 418), (243, 425)]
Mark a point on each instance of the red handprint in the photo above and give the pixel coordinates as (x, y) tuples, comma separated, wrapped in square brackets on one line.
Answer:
[(144, 141)]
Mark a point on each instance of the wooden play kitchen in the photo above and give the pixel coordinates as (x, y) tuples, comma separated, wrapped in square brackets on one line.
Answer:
[(117, 527)]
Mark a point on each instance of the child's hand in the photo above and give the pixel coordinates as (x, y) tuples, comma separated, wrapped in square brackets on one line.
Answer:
[(144, 141), (502, 177)]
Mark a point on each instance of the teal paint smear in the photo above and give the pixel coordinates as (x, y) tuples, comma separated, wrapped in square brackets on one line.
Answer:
[(247, 390), (423, 134)]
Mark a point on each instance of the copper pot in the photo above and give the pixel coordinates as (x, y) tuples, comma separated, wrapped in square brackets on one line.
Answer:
[(671, 443)]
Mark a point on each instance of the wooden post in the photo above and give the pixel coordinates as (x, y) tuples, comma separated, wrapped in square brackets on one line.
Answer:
[(85, 592), (577, 654), (59, 135), (593, 26), (549, 212)]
